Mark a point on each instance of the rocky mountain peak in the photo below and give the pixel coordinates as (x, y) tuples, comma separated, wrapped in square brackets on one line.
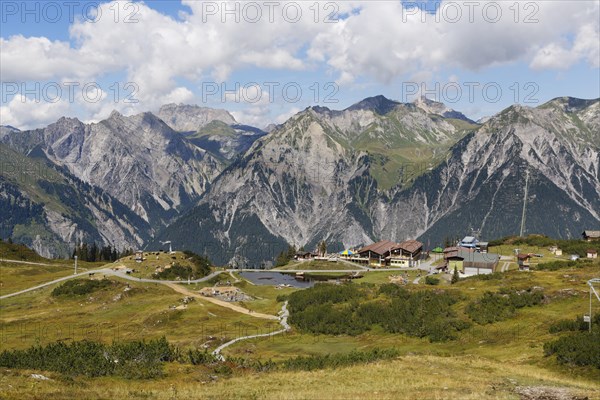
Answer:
[(115, 114), (6, 130), (436, 107), (378, 104), (572, 104), (190, 118)]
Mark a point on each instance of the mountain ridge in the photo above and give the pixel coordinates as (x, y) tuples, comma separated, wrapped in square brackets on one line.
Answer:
[(479, 186), (377, 169)]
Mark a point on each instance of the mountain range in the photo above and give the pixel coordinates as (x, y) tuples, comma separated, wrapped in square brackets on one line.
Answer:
[(377, 169)]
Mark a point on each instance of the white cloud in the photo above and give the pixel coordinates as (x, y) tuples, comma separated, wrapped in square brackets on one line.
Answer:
[(586, 46), (27, 113), (385, 41), (381, 42)]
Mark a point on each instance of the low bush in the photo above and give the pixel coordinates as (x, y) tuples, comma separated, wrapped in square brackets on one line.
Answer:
[(487, 277), (80, 287), (316, 362), (202, 265), (176, 271), (431, 280), (556, 265), (197, 357), (132, 360), (578, 348), (572, 325), (352, 309), (494, 307)]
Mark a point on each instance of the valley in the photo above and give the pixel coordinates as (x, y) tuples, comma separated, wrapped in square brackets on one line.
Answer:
[(502, 359)]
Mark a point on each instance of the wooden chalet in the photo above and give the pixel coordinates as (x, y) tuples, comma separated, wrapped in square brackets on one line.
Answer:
[(406, 254), (376, 253), (591, 235)]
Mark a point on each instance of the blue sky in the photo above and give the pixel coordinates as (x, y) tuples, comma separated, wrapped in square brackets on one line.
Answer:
[(476, 61)]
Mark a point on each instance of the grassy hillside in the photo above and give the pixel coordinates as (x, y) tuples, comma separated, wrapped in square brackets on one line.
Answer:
[(154, 261), (20, 252), (33, 189), (408, 377), (499, 360)]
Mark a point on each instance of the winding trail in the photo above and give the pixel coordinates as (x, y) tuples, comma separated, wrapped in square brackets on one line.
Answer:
[(284, 314), (122, 274), (65, 278), (175, 285), (33, 263), (108, 271)]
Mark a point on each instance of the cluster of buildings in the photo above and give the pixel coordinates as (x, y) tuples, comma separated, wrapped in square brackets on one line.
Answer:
[(384, 253), (407, 254), (469, 257)]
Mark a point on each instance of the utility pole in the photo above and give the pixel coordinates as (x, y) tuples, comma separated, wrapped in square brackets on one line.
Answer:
[(75, 273), (524, 202), (592, 289)]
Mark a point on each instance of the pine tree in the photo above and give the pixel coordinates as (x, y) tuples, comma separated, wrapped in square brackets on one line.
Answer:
[(455, 276), (322, 248)]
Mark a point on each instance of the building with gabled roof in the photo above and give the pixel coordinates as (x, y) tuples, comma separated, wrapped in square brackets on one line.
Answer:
[(377, 252), (468, 261), (406, 254), (591, 235)]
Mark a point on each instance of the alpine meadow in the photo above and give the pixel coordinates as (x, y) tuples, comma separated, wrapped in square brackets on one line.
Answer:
[(300, 200)]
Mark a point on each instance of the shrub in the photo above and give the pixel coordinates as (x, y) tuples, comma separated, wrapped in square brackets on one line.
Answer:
[(431, 280), (282, 298), (494, 307), (337, 360), (455, 277), (202, 265), (80, 287), (393, 290), (321, 294), (197, 357), (556, 265), (176, 271), (348, 309), (137, 359), (579, 348), (572, 325), (490, 308), (487, 277), (327, 319)]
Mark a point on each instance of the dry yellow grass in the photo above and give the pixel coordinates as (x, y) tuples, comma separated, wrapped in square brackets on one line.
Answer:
[(409, 377)]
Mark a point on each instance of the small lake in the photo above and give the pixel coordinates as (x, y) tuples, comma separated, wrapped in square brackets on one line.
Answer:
[(276, 278)]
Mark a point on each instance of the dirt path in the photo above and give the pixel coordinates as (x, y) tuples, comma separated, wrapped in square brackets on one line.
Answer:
[(172, 285), (182, 290), (284, 313), (33, 263)]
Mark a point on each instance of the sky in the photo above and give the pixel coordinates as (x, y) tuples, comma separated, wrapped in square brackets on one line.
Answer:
[(267, 60)]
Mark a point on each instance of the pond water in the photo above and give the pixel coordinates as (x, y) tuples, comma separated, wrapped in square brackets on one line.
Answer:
[(276, 278)]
